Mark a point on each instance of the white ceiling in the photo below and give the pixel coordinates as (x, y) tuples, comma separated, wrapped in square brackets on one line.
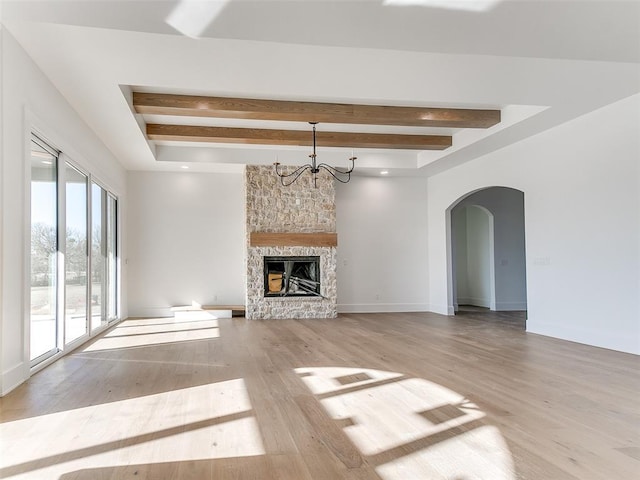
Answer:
[(541, 62)]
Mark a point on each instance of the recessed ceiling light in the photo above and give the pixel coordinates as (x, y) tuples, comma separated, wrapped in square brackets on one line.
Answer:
[(184, 167), (468, 5), (384, 172)]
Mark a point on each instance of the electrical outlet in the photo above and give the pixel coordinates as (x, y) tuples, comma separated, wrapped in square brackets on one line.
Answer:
[(542, 261)]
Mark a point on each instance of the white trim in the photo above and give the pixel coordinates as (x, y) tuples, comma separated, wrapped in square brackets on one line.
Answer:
[(476, 302), (2, 187), (117, 279), (30, 126), (13, 378), (151, 312), (382, 307), (613, 340), (441, 309), (61, 255), (510, 306), (119, 263)]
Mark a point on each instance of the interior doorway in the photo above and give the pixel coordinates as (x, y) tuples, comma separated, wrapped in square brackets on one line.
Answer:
[(487, 258), (473, 257)]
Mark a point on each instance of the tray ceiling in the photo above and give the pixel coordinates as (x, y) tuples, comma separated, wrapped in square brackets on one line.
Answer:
[(538, 63)]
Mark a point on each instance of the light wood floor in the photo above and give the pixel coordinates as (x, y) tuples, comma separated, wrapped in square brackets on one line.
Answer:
[(367, 396)]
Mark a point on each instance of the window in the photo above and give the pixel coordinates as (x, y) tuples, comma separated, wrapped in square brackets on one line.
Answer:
[(44, 250), (98, 256), (112, 258), (74, 256)]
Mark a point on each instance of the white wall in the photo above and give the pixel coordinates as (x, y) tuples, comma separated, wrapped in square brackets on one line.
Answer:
[(30, 101), (186, 240), (581, 184), (382, 244), (3, 362)]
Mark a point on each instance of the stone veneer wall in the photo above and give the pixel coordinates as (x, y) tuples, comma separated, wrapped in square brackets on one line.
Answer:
[(298, 208)]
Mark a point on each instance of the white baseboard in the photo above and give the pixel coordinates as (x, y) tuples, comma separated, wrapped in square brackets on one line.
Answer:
[(588, 336), (167, 312), (19, 374), (150, 312), (511, 306), (382, 307), (476, 302), (14, 377), (202, 314), (441, 309)]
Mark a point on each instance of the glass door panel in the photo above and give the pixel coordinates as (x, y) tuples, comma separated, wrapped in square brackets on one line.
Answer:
[(98, 256), (44, 249), (76, 258), (112, 266)]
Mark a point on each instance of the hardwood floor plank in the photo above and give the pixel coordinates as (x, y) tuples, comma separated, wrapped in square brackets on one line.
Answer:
[(328, 432), (360, 397)]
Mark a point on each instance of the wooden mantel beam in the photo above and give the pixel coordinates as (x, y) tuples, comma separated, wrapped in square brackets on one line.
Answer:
[(255, 109), (267, 239), (255, 136)]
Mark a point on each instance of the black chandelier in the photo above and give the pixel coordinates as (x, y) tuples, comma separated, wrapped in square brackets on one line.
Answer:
[(342, 176)]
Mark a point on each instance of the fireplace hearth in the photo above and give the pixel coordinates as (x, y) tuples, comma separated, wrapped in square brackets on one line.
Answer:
[(292, 276)]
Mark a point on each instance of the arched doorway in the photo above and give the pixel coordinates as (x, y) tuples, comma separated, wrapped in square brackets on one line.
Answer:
[(486, 255), (473, 256)]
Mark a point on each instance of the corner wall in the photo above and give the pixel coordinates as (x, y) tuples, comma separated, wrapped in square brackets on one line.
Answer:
[(581, 182), (382, 245), (185, 236)]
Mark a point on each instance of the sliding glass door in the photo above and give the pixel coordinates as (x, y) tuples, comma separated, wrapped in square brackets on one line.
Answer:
[(76, 255), (112, 258), (73, 256), (44, 251), (98, 256)]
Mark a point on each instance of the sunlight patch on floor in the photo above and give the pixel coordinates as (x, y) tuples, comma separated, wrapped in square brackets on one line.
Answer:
[(140, 334), (389, 415), (477, 454), (328, 379), (202, 422), (168, 327), (411, 427)]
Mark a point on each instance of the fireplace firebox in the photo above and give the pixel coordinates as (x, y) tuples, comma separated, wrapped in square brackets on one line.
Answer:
[(292, 276)]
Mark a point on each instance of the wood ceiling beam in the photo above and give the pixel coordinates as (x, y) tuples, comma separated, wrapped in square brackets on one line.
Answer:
[(255, 136), (245, 108)]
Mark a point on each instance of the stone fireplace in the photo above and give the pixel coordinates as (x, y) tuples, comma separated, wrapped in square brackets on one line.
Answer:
[(291, 247)]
